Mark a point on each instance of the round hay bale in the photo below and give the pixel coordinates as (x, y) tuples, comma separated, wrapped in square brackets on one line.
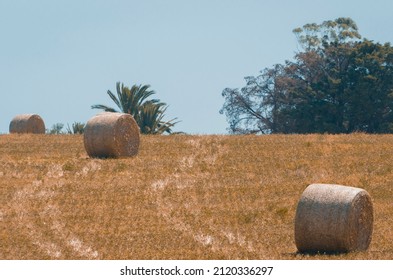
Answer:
[(27, 123), (333, 219), (111, 135)]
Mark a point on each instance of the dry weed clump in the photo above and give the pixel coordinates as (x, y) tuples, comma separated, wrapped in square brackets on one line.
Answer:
[(333, 218), (111, 135), (27, 123)]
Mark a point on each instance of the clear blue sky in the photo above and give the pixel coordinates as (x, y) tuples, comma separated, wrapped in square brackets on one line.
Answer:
[(57, 58)]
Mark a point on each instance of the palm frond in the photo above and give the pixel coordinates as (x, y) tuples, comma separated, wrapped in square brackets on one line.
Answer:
[(121, 94), (114, 99), (103, 107)]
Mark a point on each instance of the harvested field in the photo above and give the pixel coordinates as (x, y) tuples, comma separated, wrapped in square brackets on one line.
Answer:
[(182, 197)]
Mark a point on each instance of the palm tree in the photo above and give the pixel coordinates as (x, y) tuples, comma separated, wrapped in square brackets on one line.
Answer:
[(147, 113), (150, 118)]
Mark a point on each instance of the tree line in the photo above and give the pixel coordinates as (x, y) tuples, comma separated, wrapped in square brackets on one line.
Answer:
[(336, 83)]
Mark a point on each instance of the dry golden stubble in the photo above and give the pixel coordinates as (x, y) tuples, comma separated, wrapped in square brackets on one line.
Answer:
[(241, 191)]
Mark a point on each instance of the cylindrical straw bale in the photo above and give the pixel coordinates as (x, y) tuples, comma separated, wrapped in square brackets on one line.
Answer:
[(27, 123), (111, 135), (333, 219)]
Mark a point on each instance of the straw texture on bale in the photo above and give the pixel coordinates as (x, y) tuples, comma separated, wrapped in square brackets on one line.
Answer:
[(111, 135), (27, 123), (333, 219)]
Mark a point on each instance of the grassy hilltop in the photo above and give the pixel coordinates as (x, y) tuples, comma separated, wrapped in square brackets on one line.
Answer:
[(182, 197)]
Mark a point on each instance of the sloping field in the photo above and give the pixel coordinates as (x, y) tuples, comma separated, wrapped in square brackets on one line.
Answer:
[(182, 197)]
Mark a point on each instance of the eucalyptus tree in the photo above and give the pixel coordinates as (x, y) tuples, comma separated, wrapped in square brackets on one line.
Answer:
[(336, 83)]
